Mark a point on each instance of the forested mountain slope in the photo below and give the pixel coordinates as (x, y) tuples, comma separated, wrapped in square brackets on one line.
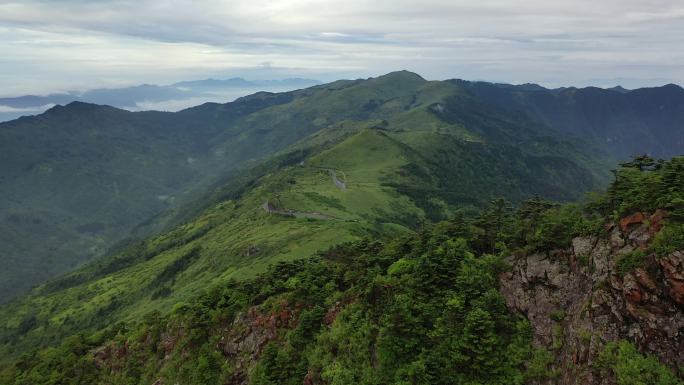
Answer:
[(279, 178), (446, 305), (346, 182), (79, 178), (623, 122)]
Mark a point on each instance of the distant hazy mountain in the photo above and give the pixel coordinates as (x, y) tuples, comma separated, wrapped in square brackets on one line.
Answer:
[(131, 96), (239, 82), (143, 96), (12, 108), (29, 101)]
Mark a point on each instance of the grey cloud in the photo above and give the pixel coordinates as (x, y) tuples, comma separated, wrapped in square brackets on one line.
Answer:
[(562, 42)]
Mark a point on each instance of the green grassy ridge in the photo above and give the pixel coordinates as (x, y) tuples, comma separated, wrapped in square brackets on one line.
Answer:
[(399, 174), (227, 232), (94, 167), (78, 179), (236, 239)]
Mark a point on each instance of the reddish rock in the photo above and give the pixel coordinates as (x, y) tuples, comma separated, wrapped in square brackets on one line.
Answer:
[(644, 279), (572, 262), (656, 221), (599, 305), (616, 240), (102, 356), (122, 350), (284, 318), (673, 269), (168, 342), (633, 219), (309, 378), (332, 313), (631, 289)]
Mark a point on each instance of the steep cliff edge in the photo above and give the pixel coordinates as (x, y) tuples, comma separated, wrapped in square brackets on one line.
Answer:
[(579, 300)]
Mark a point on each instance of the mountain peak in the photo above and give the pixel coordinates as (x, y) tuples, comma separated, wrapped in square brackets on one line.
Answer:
[(673, 87), (619, 89), (85, 106), (79, 107), (402, 75)]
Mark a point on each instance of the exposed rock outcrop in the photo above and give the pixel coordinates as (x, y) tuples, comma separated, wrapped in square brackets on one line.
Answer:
[(241, 341), (577, 301)]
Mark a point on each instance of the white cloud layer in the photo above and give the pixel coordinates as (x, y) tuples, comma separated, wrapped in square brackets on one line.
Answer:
[(75, 44), (25, 110)]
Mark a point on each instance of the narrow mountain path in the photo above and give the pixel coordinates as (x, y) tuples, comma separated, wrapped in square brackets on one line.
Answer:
[(269, 208), (339, 183)]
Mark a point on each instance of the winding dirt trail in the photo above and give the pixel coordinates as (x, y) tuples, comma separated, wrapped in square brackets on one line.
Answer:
[(339, 183), (269, 208)]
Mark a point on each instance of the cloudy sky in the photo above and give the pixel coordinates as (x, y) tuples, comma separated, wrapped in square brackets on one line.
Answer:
[(76, 44)]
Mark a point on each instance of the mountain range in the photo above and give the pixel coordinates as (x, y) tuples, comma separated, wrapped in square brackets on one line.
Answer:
[(646, 113), (139, 213), (83, 177), (144, 96)]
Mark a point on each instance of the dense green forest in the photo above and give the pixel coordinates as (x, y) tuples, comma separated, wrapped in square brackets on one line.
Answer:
[(420, 308)]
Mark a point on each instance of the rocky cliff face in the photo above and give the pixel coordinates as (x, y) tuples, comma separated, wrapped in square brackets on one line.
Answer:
[(577, 300), (241, 342)]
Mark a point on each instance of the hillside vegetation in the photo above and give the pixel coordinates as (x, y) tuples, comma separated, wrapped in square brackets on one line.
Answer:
[(622, 122), (391, 186), (77, 180), (421, 308)]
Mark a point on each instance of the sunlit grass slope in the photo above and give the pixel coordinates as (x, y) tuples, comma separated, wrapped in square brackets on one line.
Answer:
[(234, 239)]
